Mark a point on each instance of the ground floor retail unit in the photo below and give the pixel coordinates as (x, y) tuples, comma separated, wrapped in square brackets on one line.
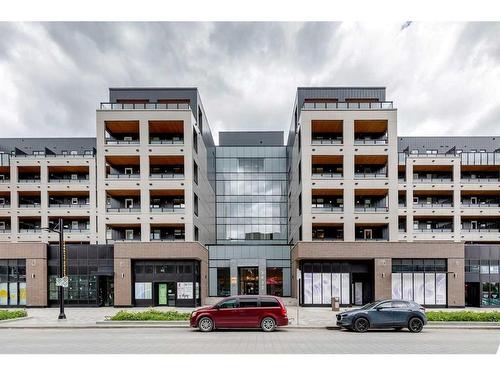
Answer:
[(437, 274)]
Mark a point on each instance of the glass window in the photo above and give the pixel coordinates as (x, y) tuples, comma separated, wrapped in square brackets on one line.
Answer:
[(269, 302), (385, 305), (228, 304), (223, 282), (274, 281), (399, 305), (248, 302)]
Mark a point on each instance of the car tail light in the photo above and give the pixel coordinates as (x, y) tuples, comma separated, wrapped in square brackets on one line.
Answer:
[(283, 310)]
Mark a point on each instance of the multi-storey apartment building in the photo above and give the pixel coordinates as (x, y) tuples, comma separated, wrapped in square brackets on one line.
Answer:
[(156, 214)]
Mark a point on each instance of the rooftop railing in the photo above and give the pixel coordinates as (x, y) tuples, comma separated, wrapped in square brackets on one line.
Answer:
[(346, 105), (143, 106)]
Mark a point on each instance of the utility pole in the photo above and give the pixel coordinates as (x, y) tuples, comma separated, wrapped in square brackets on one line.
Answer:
[(62, 267)]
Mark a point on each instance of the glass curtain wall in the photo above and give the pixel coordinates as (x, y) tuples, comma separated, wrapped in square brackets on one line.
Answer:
[(251, 194)]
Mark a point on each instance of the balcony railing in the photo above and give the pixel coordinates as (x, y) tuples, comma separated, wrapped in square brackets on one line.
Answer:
[(178, 141), (29, 205), (332, 141), (423, 180), (433, 230), (346, 105), (111, 141), (30, 230), (480, 204), (432, 205), (371, 239), (172, 239), (122, 209), (480, 180), (77, 230), (402, 205), (78, 180), (370, 175), (371, 209), (328, 239), (38, 156), (143, 106), (5, 205), (29, 180), (68, 205), (167, 209), (166, 175), (4, 180), (6, 230), (483, 230), (315, 208), (382, 141), (123, 176)]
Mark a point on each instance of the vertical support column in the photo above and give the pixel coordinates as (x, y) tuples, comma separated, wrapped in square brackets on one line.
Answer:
[(456, 200), (383, 278), (233, 273), (348, 165), (409, 200), (44, 199), (144, 182), (14, 201), (262, 276), (456, 282)]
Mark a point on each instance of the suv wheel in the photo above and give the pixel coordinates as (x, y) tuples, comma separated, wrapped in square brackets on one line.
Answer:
[(361, 325), (268, 324), (415, 325), (205, 324)]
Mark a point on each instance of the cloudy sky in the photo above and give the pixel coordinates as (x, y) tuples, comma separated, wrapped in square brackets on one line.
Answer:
[(444, 78)]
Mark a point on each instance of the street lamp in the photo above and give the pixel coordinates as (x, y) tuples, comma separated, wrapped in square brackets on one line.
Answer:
[(59, 228)]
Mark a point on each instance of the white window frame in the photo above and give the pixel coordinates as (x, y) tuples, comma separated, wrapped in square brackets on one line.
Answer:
[(2, 201), (127, 138), (74, 201), (368, 234), (74, 224), (473, 200), (129, 232), (2, 225), (74, 176), (129, 203), (128, 170), (473, 225)]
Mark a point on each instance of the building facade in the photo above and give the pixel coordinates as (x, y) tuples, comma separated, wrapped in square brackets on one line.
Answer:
[(156, 214)]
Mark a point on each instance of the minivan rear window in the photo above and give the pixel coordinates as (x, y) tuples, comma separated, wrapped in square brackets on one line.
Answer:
[(269, 302)]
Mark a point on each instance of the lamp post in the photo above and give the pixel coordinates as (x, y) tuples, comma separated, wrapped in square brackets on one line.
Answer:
[(60, 231)]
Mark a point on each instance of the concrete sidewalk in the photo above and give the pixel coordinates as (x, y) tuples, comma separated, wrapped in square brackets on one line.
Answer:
[(91, 317)]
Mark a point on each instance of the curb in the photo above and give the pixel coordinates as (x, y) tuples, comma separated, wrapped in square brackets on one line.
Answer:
[(15, 319)]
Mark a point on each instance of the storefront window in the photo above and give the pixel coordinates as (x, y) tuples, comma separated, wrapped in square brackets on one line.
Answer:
[(274, 281), (13, 282), (143, 291), (223, 282)]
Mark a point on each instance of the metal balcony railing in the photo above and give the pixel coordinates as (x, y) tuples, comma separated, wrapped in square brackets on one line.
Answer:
[(433, 230), (5, 205), (166, 175), (29, 180), (432, 205), (178, 141), (68, 205), (346, 105), (68, 180), (29, 205), (327, 175), (371, 209), (382, 141), (179, 209), (30, 230), (480, 204), (144, 106), (371, 239), (111, 141), (376, 175), (447, 180), (122, 209), (172, 239), (123, 176), (479, 180), (320, 208), (77, 230), (483, 230), (323, 141)]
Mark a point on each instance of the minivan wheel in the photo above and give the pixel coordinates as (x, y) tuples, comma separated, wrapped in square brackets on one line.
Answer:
[(415, 325), (205, 324), (361, 325), (268, 324)]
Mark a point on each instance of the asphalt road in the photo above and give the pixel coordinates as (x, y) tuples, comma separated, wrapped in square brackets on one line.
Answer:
[(304, 341)]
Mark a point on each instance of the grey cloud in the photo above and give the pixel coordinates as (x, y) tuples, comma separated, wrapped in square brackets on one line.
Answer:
[(247, 72)]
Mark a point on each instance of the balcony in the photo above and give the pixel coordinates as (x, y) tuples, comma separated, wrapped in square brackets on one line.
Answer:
[(123, 232), (167, 232), (370, 132), (123, 201), (68, 199), (332, 105), (29, 199), (28, 174), (5, 225), (326, 132), (433, 199), (166, 167), (144, 106), (480, 174), (166, 132), (371, 232), (330, 167), (30, 225), (4, 199), (121, 132), (167, 201), (371, 200), (401, 224), (433, 174), (4, 173), (77, 225), (327, 200), (480, 224), (122, 167), (68, 174), (328, 232), (431, 225), (370, 167)]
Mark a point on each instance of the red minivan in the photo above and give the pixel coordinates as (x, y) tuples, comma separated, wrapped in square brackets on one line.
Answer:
[(266, 312)]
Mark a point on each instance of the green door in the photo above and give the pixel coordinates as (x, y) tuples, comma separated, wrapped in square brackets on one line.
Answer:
[(162, 294)]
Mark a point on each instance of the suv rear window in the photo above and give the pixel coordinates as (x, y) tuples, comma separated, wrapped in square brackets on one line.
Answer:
[(269, 302)]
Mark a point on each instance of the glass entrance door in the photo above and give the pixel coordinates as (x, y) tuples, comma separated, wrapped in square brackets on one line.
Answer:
[(162, 294), (248, 280)]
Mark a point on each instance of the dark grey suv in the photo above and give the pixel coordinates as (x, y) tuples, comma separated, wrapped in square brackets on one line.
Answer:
[(396, 314)]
